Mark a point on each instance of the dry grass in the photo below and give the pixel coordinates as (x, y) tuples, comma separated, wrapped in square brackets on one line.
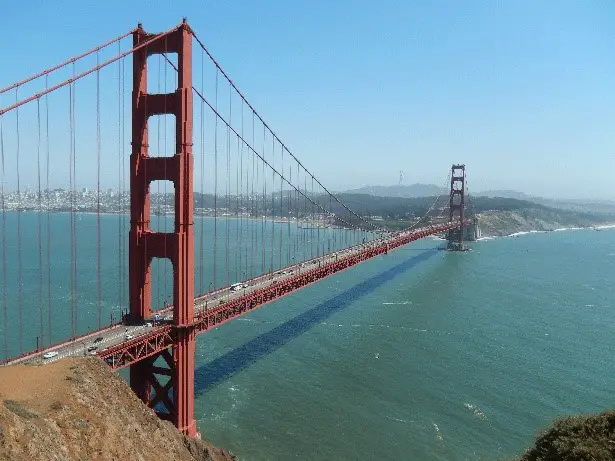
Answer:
[(77, 409)]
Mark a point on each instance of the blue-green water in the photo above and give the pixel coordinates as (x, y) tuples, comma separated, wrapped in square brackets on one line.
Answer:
[(420, 354), (58, 274)]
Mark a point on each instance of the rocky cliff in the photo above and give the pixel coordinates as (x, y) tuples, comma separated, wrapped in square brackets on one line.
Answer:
[(78, 409)]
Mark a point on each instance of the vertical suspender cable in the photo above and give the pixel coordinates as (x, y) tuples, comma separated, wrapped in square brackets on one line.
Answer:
[(39, 219), (239, 166), (317, 231), (3, 204), (201, 248), (119, 182), (227, 224), (98, 189), (216, 190), (254, 213), (72, 209), (124, 232), (313, 219), (70, 204), (19, 266), (120, 146), (305, 214), (264, 205), (75, 298), (281, 203), (48, 188), (330, 224), (243, 201), (273, 195), (290, 214), (238, 220), (297, 214)]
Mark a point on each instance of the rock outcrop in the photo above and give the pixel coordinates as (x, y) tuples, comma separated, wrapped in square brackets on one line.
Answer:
[(78, 409)]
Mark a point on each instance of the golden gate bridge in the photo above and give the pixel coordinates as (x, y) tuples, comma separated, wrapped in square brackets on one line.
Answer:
[(265, 227)]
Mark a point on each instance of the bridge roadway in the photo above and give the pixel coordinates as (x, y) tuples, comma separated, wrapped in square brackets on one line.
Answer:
[(122, 345)]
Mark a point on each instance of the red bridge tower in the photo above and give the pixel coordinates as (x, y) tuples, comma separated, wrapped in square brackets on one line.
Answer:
[(457, 207), (168, 389)]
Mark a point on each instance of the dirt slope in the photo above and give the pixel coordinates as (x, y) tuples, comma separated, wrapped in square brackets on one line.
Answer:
[(77, 409)]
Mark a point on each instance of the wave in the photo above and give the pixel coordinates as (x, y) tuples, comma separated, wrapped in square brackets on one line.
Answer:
[(561, 229), (475, 410), (438, 434), (396, 419), (485, 238), (397, 304), (517, 234)]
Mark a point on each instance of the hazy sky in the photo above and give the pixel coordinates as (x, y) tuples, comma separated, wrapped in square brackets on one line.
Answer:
[(522, 92)]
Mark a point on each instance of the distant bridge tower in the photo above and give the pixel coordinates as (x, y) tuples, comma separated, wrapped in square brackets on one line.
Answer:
[(457, 207), (168, 389)]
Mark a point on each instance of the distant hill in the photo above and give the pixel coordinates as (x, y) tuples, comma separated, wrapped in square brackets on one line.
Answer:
[(581, 205), (411, 191), (430, 190), (509, 194)]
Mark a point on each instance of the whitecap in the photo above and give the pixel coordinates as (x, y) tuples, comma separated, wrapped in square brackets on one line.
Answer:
[(438, 434), (395, 419), (475, 410), (517, 234)]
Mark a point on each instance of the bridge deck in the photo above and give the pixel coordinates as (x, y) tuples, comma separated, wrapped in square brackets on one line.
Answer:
[(122, 345)]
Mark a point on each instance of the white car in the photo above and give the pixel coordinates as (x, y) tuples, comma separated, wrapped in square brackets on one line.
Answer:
[(50, 355), (148, 324), (128, 336)]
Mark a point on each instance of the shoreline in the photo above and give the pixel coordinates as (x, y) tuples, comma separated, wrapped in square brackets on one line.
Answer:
[(534, 231)]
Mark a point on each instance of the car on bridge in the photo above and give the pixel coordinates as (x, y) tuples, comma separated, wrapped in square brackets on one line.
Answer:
[(50, 354), (237, 286)]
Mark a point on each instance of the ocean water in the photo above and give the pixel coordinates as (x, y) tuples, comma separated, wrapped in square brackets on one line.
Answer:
[(419, 354), (49, 283)]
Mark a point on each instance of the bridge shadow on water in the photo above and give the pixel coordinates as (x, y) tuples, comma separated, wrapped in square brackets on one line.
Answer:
[(221, 369)]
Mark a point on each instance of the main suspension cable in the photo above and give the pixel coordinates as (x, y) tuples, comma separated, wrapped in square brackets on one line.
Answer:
[(66, 63), (75, 77), (232, 84)]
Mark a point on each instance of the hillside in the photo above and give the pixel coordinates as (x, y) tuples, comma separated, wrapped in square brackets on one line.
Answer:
[(413, 190), (497, 215), (576, 438), (506, 222), (77, 409)]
